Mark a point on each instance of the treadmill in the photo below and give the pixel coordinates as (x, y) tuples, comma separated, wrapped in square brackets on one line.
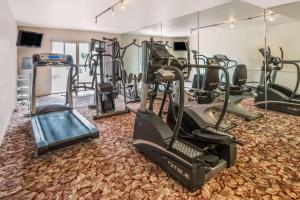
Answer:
[(57, 125)]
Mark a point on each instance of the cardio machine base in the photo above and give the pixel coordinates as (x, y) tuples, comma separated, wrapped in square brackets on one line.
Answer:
[(55, 130), (110, 114), (184, 162), (277, 101), (206, 113), (236, 108)]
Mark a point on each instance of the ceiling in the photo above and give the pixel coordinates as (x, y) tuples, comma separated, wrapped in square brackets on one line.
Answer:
[(79, 14), (181, 27), (291, 10), (237, 12), (269, 3)]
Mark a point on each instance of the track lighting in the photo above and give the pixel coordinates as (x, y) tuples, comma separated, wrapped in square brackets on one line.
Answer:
[(231, 23), (112, 11), (122, 5)]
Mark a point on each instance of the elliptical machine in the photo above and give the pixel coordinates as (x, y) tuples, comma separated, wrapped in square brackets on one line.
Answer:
[(203, 88), (238, 89), (192, 159), (278, 98)]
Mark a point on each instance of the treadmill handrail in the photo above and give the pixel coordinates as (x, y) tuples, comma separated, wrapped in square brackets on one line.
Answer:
[(69, 100)]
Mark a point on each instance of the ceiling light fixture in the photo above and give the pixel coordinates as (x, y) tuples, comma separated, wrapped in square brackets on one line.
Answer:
[(122, 5), (112, 11), (232, 24), (111, 8)]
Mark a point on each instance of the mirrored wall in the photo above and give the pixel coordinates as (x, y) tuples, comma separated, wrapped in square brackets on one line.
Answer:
[(283, 47), (233, 36)]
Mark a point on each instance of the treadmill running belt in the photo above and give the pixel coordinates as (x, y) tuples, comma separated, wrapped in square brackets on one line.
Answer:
[(61, 126)]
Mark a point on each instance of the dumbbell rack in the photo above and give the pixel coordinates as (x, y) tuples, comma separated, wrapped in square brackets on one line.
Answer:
[(23, 91)]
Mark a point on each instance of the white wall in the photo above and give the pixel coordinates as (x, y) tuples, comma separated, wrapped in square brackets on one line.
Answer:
[(285, 36), (50, 35), (8, 67), (240, 43)]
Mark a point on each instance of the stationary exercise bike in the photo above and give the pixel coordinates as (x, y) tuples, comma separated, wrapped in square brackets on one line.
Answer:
[(279, 97), (188, 153)]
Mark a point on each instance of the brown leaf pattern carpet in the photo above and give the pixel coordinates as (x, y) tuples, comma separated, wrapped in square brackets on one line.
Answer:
[(267, 166)]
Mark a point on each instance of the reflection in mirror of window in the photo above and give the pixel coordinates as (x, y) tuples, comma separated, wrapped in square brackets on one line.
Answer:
[(83, 52), (58, 47)]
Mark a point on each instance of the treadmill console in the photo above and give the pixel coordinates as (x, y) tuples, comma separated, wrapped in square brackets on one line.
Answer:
[(52, 59)]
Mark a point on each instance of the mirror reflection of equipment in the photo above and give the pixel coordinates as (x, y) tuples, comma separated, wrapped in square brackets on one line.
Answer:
[(279, 98), (107, 87), (204, 92)]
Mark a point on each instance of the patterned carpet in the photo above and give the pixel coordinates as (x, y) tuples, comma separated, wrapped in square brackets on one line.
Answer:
[(267, 166)]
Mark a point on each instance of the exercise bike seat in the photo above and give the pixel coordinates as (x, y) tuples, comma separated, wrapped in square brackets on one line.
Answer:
[(212, 138)]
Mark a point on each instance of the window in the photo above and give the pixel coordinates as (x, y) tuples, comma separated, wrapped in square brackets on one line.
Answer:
[(83, 52), (58, 47), (60, 74), (65, 48), (79, 52), (70, 49)]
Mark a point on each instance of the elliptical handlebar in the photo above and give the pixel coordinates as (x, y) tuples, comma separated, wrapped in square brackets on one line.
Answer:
[(129, 45), (226, 61), (298, 75), (272, 59), (276, 61), (197, 57), (227, 89)]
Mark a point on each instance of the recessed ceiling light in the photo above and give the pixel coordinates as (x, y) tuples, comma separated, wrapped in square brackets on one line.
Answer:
[(112, 11), (122, 5)]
